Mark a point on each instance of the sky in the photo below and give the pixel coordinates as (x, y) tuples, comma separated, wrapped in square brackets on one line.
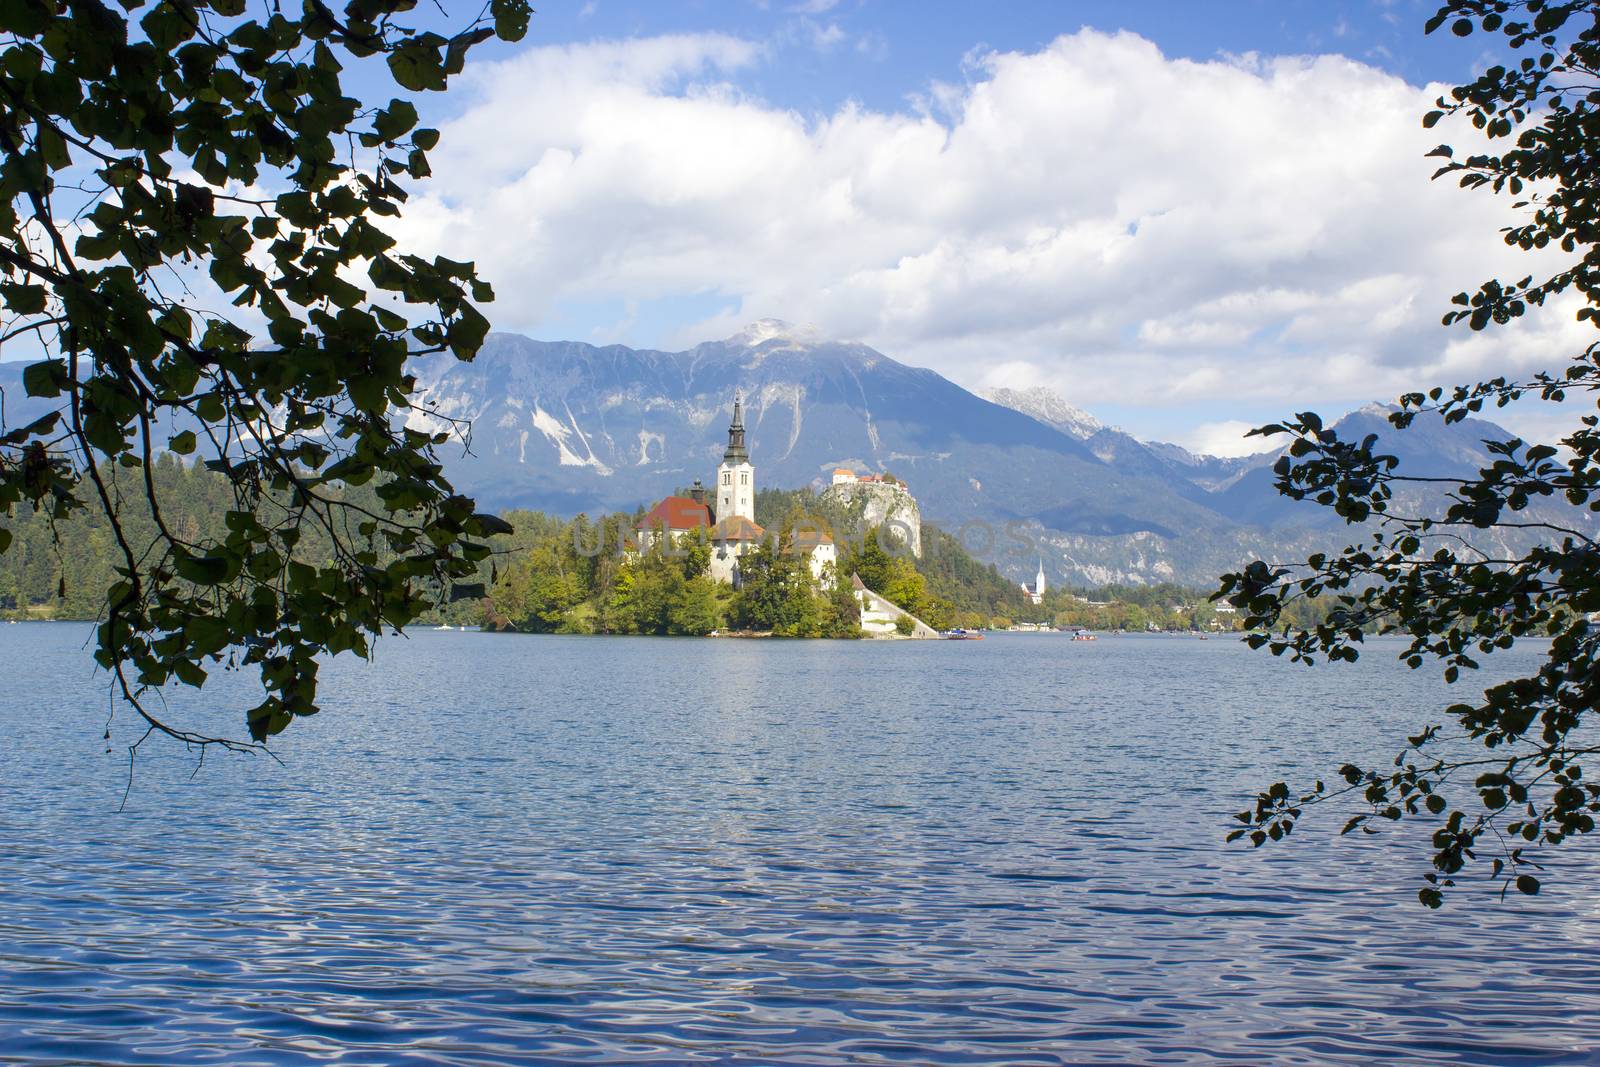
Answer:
[(1186, 218)]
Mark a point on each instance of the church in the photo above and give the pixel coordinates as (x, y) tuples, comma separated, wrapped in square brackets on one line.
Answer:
[(1035, 592), (730, 522)]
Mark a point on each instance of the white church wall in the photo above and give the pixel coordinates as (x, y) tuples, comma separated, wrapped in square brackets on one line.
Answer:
[(736, 491), (822, 557)]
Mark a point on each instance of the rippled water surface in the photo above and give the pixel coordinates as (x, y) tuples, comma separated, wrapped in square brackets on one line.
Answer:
[(498, 849)]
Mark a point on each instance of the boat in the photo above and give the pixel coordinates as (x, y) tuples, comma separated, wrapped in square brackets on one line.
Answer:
[(1082, 635), (959, 634)]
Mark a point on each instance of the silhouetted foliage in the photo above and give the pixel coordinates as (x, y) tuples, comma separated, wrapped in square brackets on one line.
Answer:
[(206, 150), (1504, 769)]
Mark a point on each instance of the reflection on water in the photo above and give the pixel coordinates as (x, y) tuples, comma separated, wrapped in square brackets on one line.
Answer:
[(496, 850)]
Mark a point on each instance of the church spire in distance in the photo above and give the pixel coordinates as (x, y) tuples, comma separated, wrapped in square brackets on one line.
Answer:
[(736, 453)]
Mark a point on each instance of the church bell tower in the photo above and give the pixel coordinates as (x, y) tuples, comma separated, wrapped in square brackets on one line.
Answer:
[(736, 478)]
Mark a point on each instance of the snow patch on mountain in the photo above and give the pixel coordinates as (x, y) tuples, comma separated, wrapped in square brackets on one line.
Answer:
[(763, 330), (646, 439), (559, 434), (425, 421), (790, 394), (1048, 407)]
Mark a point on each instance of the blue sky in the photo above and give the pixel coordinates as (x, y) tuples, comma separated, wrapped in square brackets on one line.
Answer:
[(898, 47)]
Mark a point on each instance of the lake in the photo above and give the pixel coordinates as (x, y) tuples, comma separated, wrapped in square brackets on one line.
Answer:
[(498, 849)]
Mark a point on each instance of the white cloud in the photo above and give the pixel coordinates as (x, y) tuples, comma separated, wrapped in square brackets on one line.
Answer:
[(1194, 238), (824, 38), (812, 33), (1227, 438)]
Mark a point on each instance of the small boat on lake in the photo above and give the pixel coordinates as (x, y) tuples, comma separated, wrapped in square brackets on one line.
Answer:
[(1082, 635), (959, 634)]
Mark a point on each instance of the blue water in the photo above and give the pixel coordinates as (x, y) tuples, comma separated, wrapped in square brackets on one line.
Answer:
[(516, 850)]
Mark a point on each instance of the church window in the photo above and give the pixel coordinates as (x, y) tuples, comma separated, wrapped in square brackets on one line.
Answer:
[(727, 478), (744, 478)]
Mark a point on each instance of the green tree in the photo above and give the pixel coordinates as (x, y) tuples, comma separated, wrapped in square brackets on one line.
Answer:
[(1503, 769), (652, 594), (642, 597), (870, 561), (133, 160), (697, 609), (777, 593), (693, 553), (841, 612), (536, 593)]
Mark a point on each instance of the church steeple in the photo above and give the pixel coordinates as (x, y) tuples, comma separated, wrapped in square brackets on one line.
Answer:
[(736, 477), (736, 453), (1038, 585)]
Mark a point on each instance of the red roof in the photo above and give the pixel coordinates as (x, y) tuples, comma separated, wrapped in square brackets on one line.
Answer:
[(678, 513)]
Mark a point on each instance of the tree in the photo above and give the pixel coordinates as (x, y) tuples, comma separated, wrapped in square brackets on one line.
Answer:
[(777, 593), (205, 150), (894, 576), (536, 592), (663, 591), (1503, 769), (642, 597), (696, 611), (693, 553), (841, 612), (871, 562)]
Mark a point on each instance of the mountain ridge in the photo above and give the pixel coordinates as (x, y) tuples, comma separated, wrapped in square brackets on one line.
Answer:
[(566, 427)]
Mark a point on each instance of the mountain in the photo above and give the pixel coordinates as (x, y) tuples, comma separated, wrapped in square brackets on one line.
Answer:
[(1047, 406), (1427, 449), (1175, 464), (568, 427)]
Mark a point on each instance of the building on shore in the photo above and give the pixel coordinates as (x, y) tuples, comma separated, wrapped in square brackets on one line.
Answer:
[(881, 617), (674, 518), (1036, 591), (815, 544), (726, 515)]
